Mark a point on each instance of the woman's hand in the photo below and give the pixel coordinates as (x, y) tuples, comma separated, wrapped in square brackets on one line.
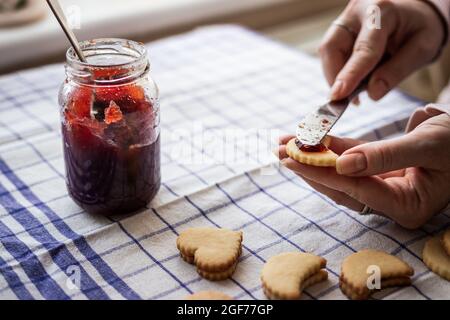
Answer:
[(406, 179), (411, 34)]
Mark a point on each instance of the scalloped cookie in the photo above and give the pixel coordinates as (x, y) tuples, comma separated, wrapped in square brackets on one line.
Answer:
[(325, 158)]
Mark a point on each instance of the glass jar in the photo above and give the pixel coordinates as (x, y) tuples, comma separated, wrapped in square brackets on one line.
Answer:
[(110, 127)]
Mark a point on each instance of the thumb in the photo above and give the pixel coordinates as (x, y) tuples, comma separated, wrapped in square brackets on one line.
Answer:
[(384, 156)]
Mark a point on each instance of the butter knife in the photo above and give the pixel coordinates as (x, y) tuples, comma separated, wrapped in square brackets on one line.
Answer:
[(314, 126)]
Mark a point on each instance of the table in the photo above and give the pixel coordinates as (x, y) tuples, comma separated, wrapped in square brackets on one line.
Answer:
[(218, 84)]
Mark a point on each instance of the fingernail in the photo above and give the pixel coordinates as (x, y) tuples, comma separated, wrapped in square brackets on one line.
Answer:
[(379, 89), (350, 164), (336, 90)]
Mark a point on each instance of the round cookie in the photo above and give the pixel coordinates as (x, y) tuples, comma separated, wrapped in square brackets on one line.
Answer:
[(435, 257), (326, 158)]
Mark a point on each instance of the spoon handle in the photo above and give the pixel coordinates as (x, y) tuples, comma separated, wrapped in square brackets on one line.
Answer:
[(59, 15)]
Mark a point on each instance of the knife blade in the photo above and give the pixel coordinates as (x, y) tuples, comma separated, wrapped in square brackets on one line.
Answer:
[(314, 126)]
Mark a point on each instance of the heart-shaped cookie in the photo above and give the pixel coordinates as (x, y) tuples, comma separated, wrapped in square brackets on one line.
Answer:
[(325, 158), (286, 275), (214, 251), (364, 265)]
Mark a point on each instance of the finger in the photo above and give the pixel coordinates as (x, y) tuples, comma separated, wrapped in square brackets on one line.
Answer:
[(340, 145), (418, 116), (338, 197), (410, 57), (421, 115), (284, 139), (385, 156), (281, 152), (367, 190), (368, 50), (334, 51)]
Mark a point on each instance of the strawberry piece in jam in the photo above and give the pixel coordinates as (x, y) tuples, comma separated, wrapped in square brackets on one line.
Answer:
[(80, 102), (129, 97), (113, 113), (136, 93), (108, 93), (109, 73)]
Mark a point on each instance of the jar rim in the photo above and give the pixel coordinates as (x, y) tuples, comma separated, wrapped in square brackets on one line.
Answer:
[(107, 43), (126, 57)]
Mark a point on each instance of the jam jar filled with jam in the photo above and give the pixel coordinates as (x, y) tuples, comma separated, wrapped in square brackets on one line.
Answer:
[(110, 127)]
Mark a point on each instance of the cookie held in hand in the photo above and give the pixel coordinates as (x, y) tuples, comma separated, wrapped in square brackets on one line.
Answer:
[(436, 258), (286, 275), (209, 295), (319, 157), (358, 267), (214, 251)]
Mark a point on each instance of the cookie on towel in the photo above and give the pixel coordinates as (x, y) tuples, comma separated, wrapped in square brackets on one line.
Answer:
[(356, 270), (214, 251), (286, 275), (325, 158), (209, 295), (446, 241), (435, 257)]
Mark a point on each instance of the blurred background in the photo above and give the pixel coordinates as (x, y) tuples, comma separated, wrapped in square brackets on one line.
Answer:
[(30, 36)]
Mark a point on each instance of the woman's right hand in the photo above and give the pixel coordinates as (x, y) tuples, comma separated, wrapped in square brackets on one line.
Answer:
[(411, 34)]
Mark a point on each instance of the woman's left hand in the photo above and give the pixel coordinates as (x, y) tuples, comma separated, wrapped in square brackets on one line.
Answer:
[(406, 179)]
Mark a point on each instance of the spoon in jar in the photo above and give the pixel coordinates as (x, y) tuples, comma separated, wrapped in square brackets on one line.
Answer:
[(59, 15)]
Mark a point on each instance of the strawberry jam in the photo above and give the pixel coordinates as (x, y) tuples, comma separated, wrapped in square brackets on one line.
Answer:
[(110, 128), (308, 148)]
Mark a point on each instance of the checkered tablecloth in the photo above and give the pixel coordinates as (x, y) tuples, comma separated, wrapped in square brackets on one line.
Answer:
[(213, 81)]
